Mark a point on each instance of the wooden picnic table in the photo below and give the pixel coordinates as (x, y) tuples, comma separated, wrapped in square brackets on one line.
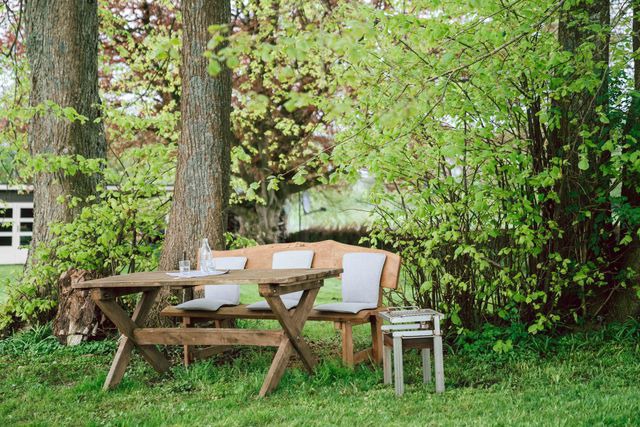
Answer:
[(272, 284)]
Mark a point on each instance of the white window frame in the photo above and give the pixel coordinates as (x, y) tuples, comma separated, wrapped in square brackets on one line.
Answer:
[(15, 254)]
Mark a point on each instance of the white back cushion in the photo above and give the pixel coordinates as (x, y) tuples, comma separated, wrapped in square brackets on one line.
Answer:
[(361, 276), (292, 259), (229, 293)]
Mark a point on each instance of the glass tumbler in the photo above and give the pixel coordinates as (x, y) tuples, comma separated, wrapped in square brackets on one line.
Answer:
[(185, 266)]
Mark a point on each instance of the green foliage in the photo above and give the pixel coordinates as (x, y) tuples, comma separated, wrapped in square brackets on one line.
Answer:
[(236, 241), (496, 194), (277, 78), (118, 230)]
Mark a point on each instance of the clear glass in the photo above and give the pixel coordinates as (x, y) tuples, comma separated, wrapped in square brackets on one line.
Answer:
[(185, 266), (210, 265), (205, 255)]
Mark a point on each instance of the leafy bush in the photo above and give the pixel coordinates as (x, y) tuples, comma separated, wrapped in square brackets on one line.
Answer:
[(505, 157), (120, 229)]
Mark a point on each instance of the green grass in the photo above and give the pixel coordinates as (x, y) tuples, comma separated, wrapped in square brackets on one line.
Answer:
[(8, 273), (580, 379)]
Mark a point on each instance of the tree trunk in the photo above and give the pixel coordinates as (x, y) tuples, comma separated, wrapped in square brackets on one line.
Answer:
[(582, 237), (78, 318), (266, 223), (201, 191), (625, 303), (62, 48)]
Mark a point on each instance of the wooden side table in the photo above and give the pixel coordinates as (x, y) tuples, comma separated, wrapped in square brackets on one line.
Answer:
[(412, 328)]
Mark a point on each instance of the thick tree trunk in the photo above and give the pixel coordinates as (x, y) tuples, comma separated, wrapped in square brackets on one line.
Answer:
[(625, 303), (201, 192), (62, 48), (577, 189), (78, 318)]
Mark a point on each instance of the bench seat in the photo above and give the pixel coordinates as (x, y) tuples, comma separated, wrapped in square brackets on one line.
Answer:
[(242, 312)]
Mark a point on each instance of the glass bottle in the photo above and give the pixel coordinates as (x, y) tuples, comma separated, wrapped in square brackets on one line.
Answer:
[(205, 255)]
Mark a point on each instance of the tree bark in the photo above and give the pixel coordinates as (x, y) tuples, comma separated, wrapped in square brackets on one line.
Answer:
[(78, 318), (625, 303), (201, 192), (266, 223), (582, 238), (62, 48)]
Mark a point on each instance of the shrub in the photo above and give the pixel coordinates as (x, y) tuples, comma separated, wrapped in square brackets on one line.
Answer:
[(120, 229)]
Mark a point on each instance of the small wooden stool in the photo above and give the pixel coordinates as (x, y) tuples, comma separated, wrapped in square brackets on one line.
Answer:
[(412, 328)]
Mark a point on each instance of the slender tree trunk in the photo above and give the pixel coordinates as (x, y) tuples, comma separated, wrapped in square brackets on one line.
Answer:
[(201, 192), (62, 48)]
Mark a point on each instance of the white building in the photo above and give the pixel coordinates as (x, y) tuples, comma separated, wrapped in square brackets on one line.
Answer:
[(16, 223)]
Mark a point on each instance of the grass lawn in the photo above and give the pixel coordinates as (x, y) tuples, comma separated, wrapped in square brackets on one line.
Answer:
[(580, 379)]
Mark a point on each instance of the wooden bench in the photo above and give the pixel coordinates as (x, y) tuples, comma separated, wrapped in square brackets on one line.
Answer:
[(327, 254)]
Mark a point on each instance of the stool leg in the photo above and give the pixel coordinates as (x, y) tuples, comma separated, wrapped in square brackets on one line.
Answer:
[(386, 365), (397, 365), (426, 365), (437, 355)]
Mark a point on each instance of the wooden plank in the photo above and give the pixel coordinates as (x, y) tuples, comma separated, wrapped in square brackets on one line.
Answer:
[(438, 362), (363, 356), (386, 365), (408, 343), (347, 344), (187, 355), (207, 336), (426, 365), (241, 312), (398, 369), (125, 345), (281, 359), (121, 291), (277, 368), (240, 277), (301, 312), (204, 353), (293, 328), (276, 290), (327, 254), (376, 338), (126, 326)]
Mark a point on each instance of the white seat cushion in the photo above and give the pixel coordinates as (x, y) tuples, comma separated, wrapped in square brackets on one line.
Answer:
[(204, 304), (346, 307), (262, 305), (284, 260), (228, 292)]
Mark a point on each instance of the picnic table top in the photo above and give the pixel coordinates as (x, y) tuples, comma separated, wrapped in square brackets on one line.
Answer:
[(241, 277)]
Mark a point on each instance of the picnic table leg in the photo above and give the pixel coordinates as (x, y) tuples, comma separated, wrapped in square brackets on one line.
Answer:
[(292, 325), (186, 323), (126, 326)]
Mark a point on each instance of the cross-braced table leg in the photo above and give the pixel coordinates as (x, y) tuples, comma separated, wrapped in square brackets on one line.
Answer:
[(126, 327), (292, 324)]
